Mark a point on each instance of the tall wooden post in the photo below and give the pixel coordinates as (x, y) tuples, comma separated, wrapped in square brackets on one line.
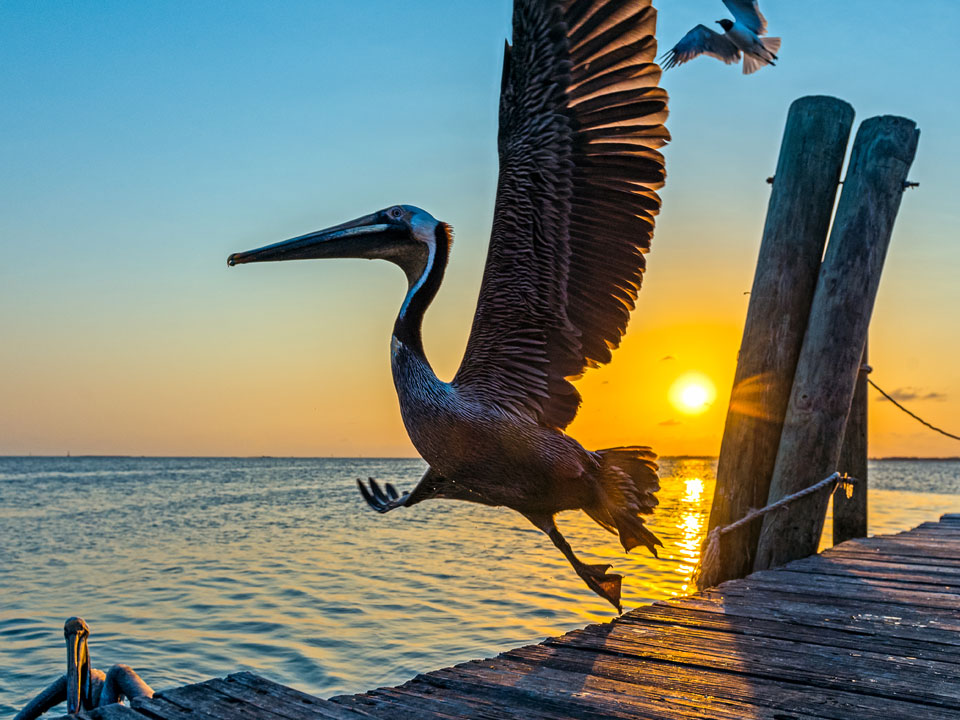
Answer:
[(798, 217), (850, 511), (832, 346)]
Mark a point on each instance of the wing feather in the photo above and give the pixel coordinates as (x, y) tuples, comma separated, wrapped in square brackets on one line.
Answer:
[(748, 13), (701, 41), (581, 118)]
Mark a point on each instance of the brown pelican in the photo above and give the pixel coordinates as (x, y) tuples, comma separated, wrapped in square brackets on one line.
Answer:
[(85, 687), (581, 116)]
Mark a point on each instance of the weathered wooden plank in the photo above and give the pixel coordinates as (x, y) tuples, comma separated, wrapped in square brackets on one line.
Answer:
[(872, 591), (536, 682), (945, 534), (450, 702), (925, 618), (708, 684), (876, 556), (287, 700), (158, 708), (201, 697), (902, 577), (418, 698), (115, 711), (939, 526), (906, 572), (572, 692), (812, 635), (292, 706), (934, 552), (775, 659), (945, 537), (844, 617), (906, 577)]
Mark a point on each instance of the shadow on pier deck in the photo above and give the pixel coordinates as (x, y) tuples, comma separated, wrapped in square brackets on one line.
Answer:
[(868, 629)]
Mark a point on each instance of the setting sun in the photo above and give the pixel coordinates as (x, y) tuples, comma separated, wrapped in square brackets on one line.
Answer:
[(692, 393)]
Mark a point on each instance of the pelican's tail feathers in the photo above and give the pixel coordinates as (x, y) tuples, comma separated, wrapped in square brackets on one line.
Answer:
[(628, 482)]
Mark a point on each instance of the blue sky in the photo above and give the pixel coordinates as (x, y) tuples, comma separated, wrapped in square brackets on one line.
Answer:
[(140, 143)]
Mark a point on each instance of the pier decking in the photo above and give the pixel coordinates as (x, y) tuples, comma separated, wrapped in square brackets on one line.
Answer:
[(868, 629)]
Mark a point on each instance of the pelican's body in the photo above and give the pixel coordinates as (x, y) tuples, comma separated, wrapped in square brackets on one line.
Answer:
[(580, 118), (479, 449)]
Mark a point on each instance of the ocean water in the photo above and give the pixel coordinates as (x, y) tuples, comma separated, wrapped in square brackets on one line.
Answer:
[(192, 568)]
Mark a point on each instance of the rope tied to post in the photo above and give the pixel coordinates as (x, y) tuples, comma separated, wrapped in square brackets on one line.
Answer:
[(705, 573)]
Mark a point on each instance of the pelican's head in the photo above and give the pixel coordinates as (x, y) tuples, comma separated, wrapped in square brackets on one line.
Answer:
[(403, 234), (726, 24), (76, 632)]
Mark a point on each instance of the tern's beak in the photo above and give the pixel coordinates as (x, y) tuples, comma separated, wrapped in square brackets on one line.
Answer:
[(75, 632), (365, 237)]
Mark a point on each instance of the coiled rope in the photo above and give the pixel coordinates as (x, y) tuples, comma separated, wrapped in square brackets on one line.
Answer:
[(705, 573)]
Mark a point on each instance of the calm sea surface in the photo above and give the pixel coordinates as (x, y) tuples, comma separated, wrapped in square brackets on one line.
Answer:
[(192, 568)]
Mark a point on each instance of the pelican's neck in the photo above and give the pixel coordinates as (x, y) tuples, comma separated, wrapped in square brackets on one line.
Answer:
[(423, 286)]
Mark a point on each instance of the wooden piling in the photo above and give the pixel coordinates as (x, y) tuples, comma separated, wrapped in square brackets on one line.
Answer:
[(850, 502), (798, 218), (829, 361)]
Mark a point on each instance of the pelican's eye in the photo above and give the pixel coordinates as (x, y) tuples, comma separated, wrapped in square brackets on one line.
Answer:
[(396, 213)]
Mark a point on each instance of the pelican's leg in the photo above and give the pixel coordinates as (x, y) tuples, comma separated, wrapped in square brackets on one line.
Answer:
[(432, 485), (54, 694), (122, 682), (604, 584)]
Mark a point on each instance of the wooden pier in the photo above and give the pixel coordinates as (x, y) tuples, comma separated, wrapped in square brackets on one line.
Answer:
[(867, 629)]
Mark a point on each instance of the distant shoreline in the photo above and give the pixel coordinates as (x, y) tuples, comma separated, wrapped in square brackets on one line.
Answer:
[(891, 458)]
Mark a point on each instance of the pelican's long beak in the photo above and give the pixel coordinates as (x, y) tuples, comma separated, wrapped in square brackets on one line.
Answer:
[(75, 632), (361, 238)]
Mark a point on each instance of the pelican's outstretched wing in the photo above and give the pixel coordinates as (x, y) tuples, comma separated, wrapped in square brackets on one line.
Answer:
[(580, 117), (748, 13), (700, 41)]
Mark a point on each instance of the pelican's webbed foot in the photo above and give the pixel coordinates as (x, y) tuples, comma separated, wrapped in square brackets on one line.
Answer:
[(381, 499), (604, 584)]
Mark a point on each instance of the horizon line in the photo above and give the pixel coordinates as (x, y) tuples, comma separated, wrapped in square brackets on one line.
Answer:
[(89, 456)]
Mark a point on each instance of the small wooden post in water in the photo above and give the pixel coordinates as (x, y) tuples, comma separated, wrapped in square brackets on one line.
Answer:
[(832, 347), (798, 218), (850, 513)]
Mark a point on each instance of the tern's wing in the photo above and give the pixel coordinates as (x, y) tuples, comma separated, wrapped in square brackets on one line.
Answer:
[(700, 41), (748, 13)]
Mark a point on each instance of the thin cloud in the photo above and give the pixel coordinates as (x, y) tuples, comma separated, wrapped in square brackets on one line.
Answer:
[(667, 357), (670, 422), (906, 394)]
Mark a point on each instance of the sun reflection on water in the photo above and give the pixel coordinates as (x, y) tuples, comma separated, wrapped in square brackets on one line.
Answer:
[(680, 521), (694, 489), (691, 529)]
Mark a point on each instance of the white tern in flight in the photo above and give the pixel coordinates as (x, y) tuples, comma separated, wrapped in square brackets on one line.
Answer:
[(743, 34)]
